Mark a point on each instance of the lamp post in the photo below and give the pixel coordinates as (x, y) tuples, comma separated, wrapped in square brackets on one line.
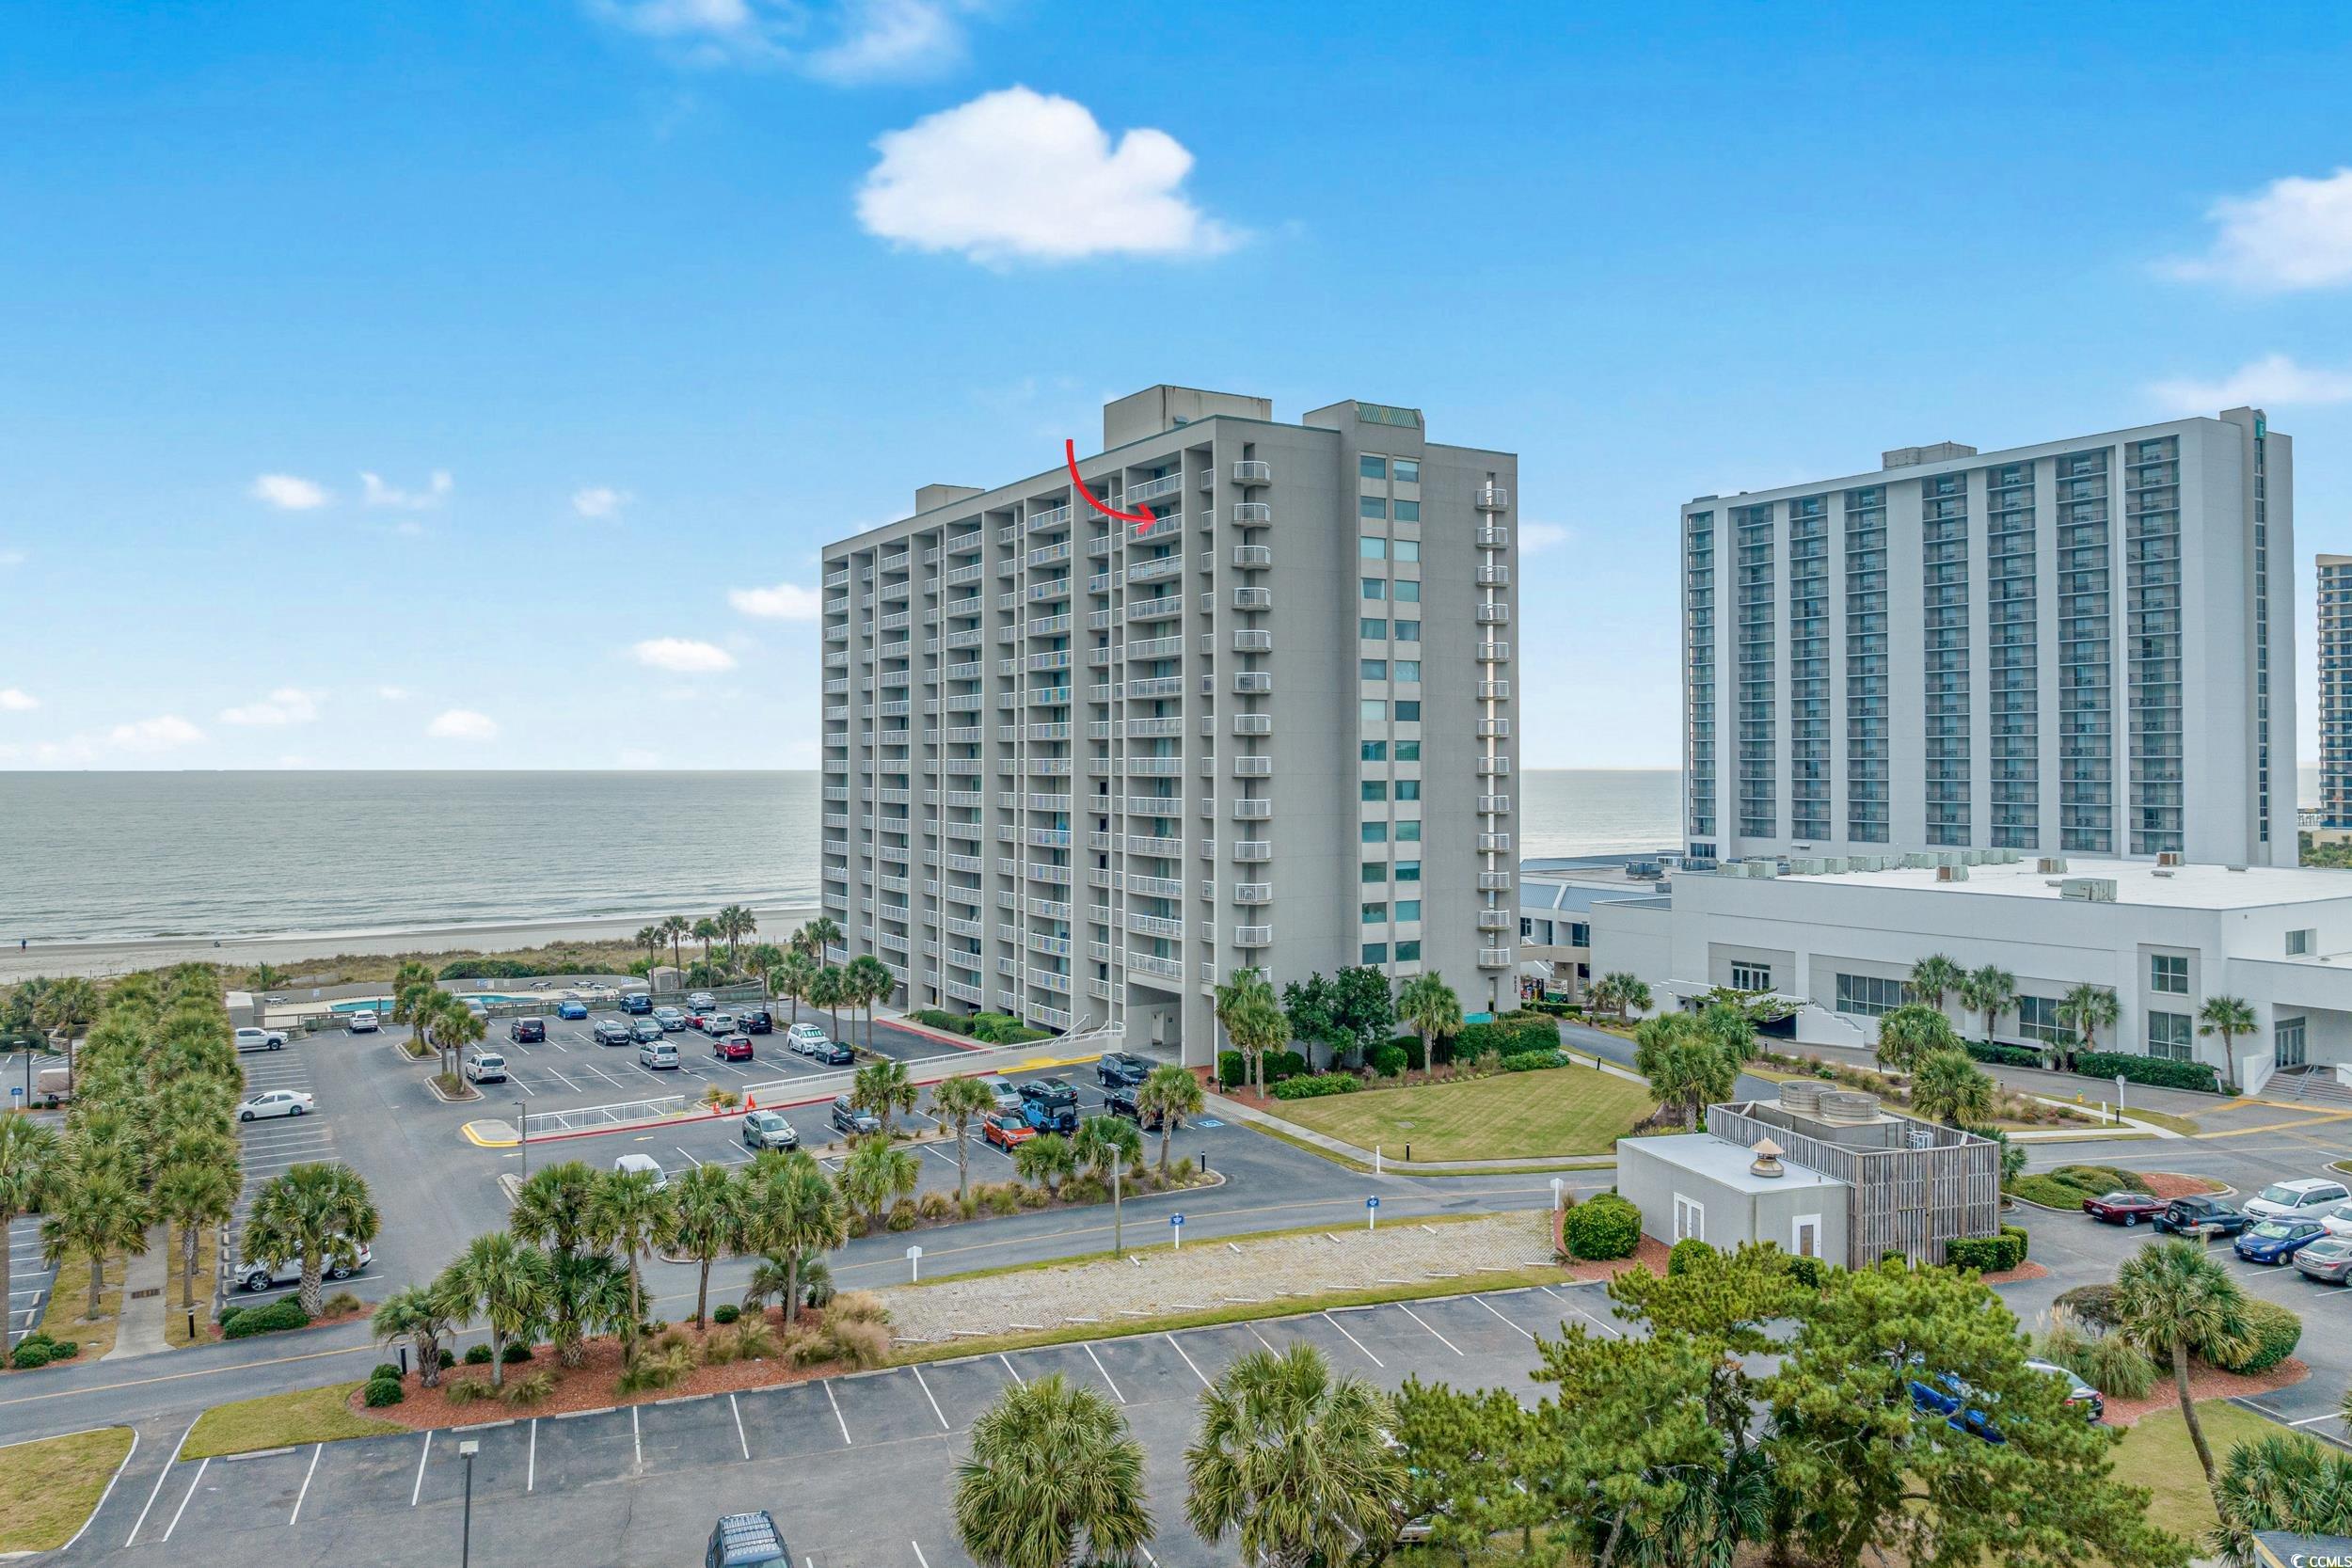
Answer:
[(465, 1547), (522, 1119), (1119, 1242)]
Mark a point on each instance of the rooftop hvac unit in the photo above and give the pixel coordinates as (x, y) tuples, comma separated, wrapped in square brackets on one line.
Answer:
[(1951, 873), (1803, 1095), (1836, 865), (1806, 867), (1917, 862), (1764, 868), (2168, 857), (2051, 866), (1847, 1107), (2090, 889), (2011, 857)]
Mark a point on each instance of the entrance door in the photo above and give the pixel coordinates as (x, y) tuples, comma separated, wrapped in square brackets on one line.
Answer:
[(1690, 1220), (1805, 1238), (2286, 1043)]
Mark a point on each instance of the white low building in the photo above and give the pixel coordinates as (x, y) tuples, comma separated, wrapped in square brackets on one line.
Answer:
[(1840, 937)]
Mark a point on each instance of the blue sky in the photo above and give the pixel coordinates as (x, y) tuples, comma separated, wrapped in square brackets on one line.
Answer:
[(626, 306)]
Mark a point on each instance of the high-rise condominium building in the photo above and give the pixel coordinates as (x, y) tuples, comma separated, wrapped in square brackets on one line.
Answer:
[(2081, 646), (1081, 769), (2335, 693)]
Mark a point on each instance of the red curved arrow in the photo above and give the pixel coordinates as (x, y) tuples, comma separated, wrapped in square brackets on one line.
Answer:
[(1069, 455)]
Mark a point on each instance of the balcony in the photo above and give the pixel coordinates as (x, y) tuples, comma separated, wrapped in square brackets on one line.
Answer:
[(1155, 925), (1493, 538), (1152, 571), (1154, 805), (1252, 514), (1494, 691), (1254, 811), (1496, 957), (1155, 609), (1252, 850), (1494, 844), (1157, 685), (1253, 557), (1165, 849), (1152, 489), (1253, 598), (1494, 805), (837, 580), (1494, 577), (1040, 522), (1150, 963), (1156, 887), (1253, 936), (1494, 653), (1251, 470), (1496, 920), (1494, 615), (1491, 497), (1253, 683), (1253, 892), (1496, 727), (1494, 767), (1253, 768), (1253, 723), (1047, 555), (1253, 641)]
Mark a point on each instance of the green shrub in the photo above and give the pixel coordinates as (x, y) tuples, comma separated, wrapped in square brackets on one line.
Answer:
[(1003, 1198), (1809, 1272), (529, 1390), (28, 1355), (1083, 1189), (1387, 1061), (1511, 1035), (2276, 1331), (954, 1023), (1232, 1069), (343, 1301), (465, 1390), (935, 1206), (2092, 1306), (1535, 1061), (2004, 1056), (1316, 1088), (1687, 1251), (489, 969), (1986, 1254), (478, 1356), (278, 1316), (2158, 1071), (725, 1312), (228, 1316), (64, 1350), (382, 1391), (516, 1352), (1603, 1227), (384, 1369), (1415, 1058), (1281, 1065), (2115, 1366), (903, 1216)]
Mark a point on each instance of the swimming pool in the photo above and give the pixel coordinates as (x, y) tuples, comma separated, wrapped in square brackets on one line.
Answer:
[(383, 1004)]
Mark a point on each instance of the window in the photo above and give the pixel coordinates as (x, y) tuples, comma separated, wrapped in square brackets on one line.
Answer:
[(1405, 471), (1408, 549), (1371, 628), (1690, 1219), (2037, 1020), (1409, 871), (1375, 789), (2167, 973), (1375, 871), (1408, 789), (1371, 468), (1408, 751), (1376, 914), (1408, 511), (1372, 506), (1407, 591), (1409, 669), (1408, 711), (1407, 909), (1372, 710), (2168, 1036), (1376, 952), (1371, 546), (1408, 833), (1870, 995), (2303, 944), (1375, 588), (1805, 1236), (1371, 669), (1409, 952), (1751, 976), (1375, 832), (1376, 750), (1408, 631)]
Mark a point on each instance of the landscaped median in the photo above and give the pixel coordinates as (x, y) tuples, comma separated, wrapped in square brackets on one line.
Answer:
[(50, 1487), (1557, 1113)]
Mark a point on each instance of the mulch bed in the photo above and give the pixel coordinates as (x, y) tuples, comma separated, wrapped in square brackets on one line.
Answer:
[(2172, 1185), (2206, 1383), (1651, 1255), (2026, 1270)]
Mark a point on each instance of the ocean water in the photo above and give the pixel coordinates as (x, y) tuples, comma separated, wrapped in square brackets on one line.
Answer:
[(95, 856)]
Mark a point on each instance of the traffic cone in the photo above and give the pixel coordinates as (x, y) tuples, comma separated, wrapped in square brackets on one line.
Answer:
[(751, 1102)]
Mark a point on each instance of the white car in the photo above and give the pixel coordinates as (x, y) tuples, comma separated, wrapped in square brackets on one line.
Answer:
[(2306, 1198), (803, 1038), (644, 1165), (261, 1039), (277, 1103), (364, 1021), (260, 1276), (718, 1024), (486, 1067), (2338, 1220), (701, 1001)]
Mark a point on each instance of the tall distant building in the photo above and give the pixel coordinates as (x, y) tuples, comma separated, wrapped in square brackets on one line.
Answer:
[(2335, 693), (2083, 646), (1081, 769)]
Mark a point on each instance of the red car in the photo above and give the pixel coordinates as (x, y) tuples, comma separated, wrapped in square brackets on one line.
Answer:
[(1005, 1129), (738, 1048), (2124, 1208)]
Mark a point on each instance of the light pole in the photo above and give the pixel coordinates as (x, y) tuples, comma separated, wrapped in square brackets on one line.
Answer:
[(1119, 1244), (522, 1119), (464, 1542)]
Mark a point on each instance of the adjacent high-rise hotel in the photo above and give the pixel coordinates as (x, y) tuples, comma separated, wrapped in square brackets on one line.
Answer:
[(2335, 694), (1081, 769), (2083, 646)]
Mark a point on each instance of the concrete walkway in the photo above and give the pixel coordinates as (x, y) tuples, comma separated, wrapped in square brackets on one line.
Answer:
[(141, 1332)]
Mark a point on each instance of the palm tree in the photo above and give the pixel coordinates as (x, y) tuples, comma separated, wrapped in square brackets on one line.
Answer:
[(791, 1212), (508, 1282), (1045, 1158), (1053, 1477), (1933, 977), (734, 923), (1991, 991), (1952, 1089), (883, 1087), (816, 936), (2229, 1017), (1626, 995), (555, 1209), (869, 981), (675, 926), (761, 961), (267, 976), (64, 1007), (709, 1224), (829, 991), (192, 1194), (630, 1213), (1298, 1461), (590, 1295), (320, 1214), (1172, 1094), (2172, 1301), (2281, 1481), (99, 1211), (706, 931), (412, 987), (1430, 1007), (1687, 1070), (1252, 1018), (416, 1314), (2088, 1008), (1102, 1142), (1912, 1033), (452, 1027), (875, 1173), (650, 938), (31, 1161), (791, 975), (958, 1102)]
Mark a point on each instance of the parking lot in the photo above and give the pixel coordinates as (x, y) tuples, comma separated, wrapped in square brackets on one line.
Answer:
[(30, 1277), (645, 1482)]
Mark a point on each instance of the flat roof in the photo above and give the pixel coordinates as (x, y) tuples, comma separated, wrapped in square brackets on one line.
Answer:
[(1726, 1163), (2143, 882)]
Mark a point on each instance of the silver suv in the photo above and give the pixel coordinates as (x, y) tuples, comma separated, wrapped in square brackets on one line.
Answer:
[(769, 1129)]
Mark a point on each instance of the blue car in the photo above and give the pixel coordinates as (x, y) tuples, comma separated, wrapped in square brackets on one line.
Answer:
[(571, 1009), (2276, 1241), (1942, 1394), (636, 1002)]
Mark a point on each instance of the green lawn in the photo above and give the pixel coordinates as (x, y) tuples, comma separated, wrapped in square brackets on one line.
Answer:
[(48, 1488), (1510, 1116), (2156, 1453), (275, 1420)]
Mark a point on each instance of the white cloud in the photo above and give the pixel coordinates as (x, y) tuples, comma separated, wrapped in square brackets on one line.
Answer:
[(14, 700), (1535, 538), (290, 492), (288, 704), (376, 493), (786, 601), (2292, 233), (2274, 380), (163, 734), (683, 655), (890, 38), (141, 737), (459, 723), (11, 558), (845, 42), (599, 501), (394, 693), (1018, 176)]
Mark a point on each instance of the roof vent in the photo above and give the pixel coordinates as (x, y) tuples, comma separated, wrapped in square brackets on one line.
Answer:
[(1803, 1095), (1767, 1155), (1847, 1107)]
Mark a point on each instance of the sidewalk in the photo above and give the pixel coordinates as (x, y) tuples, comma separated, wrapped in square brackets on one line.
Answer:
[(141, 1331)]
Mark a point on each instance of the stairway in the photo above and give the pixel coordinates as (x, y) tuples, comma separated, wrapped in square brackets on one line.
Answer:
[(2316, 1087)]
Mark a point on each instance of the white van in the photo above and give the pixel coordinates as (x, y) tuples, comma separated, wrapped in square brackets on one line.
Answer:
[(646, 1162)]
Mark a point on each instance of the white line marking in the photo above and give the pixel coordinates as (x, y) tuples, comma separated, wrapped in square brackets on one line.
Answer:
[(1013, 1370), (689, 1156), (193, 1484), (1104, 1371), (920, 1558), (2314, 1420), (1260, 1337), (107, 1492), (561, 1079), (423, 1454), (531, 1470), (1433, 1333), (636, 1437), (740, 1438), (1147, 1555), (1196, 1371), (1482, 1302), (846, 1438), (929, 1395), (316, 1450), (1353, 1341), (159, 1486)]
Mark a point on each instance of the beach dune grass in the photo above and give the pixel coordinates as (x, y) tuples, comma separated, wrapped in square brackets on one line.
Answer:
[(1561, 1111), (277, 1420), (50, 1487)]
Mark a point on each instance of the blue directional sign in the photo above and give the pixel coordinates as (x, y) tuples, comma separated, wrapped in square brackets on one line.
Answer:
[(1175, 1219), (1372, 1203)]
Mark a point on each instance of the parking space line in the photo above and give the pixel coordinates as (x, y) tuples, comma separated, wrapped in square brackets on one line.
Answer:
[(682, 1150), (1260, 1337), (1196, 1371), (531, 1466), (1351, 1339), (423, 1454), (160, 1479), (198, 1480), (846, 1438), (1104, 1371), (1013, 1370), (1433, 1333), (525, 1088), (922, 1561), (928, 1394), (2314, 1420), (561, 1079), (1482, 1301), (744, 1442), (316, 1449)]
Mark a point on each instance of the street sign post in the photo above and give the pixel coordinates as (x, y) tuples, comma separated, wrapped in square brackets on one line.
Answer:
[(914, 1264), (1371, 1214), (1176, 1232)]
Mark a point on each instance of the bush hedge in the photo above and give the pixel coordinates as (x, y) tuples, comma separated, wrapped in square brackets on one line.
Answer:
[(1687, 1251), (1316, 1088), (2068, 1185), (278, 1316), (1809, 1272), (2156, 1072), (955, 1023), (38, 1349), (1603, 1227), (2276, 1331), (516, 1352), (1387, 1061), (384, 1369), (1535, 1061), (2092, 1306), (725, 1312), (1987, 1254), (1415, 1059), (1511, 1035), (2004, 1056), (382, 1391), (478, 1356), (1284, 1064)]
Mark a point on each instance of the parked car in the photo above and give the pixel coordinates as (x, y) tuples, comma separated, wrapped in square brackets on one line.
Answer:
[(2326, 1258), (636, 1002), (2185, 1214), (260, 1276), (2276, 1241), (1007, 1097), (669, 1018), (614, 1031), (277, 1103), (53, 1086), (2080, 1395), (756, 1021), (2301, 1198), (1117, 1069), (527, 1031), (769, 1129), (486, 1067), (700, 1002), (746, 1541), (1121, 1102), (832, 1052), (717, 1023), (571, 1007), (261, 1039), (849, 1119), (732, 1048), (1005, 1128), (802, 1038), (661, 1055), (365, 1021), (645, 1029), (1942, 1394), (641, 1165), (2124, 1208), (1050, 1104)]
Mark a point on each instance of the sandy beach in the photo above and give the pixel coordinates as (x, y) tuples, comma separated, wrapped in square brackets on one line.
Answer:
[(100, 958)]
